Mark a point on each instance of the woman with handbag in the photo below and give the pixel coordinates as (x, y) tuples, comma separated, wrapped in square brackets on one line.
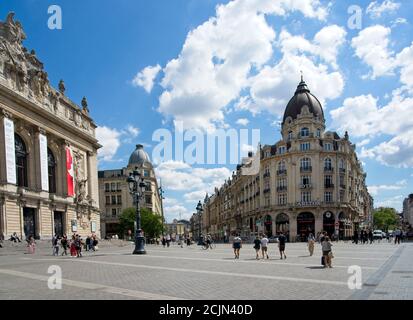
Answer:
[(311, 242), (327, 252)]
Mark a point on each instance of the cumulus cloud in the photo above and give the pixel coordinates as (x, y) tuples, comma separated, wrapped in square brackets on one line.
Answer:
[(176, 212), (375, 189), (110, 141), (362, 116), (146, 77), (242, 122), (376, 9), (218, 57), (372, 47)]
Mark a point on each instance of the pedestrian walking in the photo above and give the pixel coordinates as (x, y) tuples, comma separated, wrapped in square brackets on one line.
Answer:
[(72, 246), (257, 247), (31, 245), (64, 244), (163, 241), (311, 242), (370, 235), (87, 243), (398, 236), (237, 245), (168, 240), (55, 245), (264, 246), (327, 252), (281, 245)]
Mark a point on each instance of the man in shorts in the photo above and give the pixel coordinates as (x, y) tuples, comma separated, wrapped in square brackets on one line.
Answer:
[(264, 246), (281, 245)]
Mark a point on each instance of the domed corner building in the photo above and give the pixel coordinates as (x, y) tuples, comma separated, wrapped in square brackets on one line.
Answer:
[(114, 191), (309, 181)]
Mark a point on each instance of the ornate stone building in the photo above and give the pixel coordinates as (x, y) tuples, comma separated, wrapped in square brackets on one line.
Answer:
[(408, 210), (48, 149), (309, 181), (114, 191)]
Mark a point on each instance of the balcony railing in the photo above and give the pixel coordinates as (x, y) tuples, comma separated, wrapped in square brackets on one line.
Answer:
[(306, 169), (342, 170), (306, 186), (282, 188), (266, 175), (328, 185), (267, 190), (329, 169), (281, 172)]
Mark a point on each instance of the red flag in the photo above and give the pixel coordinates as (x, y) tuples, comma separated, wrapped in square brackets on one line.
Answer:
[(70, 173)]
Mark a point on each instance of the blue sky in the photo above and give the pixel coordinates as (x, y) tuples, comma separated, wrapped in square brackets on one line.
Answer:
[(144, 64)]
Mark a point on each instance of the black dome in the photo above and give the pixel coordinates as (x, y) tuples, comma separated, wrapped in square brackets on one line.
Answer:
[(303, 97), (139, 156)]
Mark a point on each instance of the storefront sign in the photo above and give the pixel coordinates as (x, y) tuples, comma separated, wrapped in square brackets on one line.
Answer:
[(70, 172), (308, 204), (74, 225), (10, 151), (43, 162)]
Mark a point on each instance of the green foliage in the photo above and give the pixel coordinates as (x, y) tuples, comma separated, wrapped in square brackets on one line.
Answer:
[(385, 218), (150, 222)]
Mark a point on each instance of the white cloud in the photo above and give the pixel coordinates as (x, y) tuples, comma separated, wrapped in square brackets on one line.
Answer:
[(398, 21), (176, 212), (374, 190), (195, 196), (178, 176), (243, 122), (363, 143), (245, 148), (132, 131), (110, 141), (375, 10), (392, 202), (371, 46), (146, 77), (218, 56)]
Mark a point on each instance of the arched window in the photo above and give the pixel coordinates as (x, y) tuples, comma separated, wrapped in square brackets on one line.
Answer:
[(305, 163), (305, 132), (51, 163), (21, 161), (290, 135), (327, 164)]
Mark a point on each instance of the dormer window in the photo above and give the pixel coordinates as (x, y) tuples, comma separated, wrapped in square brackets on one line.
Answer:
[(305, 132), (282, 150), (328, 146)]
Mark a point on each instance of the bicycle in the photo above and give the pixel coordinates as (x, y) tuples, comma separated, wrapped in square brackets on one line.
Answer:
[(211, 246)]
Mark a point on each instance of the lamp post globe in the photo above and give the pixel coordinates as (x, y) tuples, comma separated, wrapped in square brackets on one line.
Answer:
[(199, 210), (136, 184)]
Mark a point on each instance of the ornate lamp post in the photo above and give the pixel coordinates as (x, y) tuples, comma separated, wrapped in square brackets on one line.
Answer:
[(136, 183), (199, 210)]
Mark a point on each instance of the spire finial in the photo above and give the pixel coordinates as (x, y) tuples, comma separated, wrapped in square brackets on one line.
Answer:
[(302, 75)]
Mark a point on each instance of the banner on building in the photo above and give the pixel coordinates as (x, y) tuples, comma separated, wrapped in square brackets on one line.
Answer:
[(10, 151), (44, 169), (70, 172)]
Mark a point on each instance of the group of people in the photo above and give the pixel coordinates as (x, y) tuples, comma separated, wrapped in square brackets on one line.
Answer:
[(75, 245), (261, 247)]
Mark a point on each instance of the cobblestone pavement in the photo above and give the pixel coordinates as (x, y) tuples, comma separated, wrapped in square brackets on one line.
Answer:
[(192, 273)]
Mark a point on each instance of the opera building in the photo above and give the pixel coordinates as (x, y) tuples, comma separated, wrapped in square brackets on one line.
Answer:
[(309, 181), (48, 149)]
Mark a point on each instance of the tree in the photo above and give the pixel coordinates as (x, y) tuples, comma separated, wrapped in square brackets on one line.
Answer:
[(385, 218), (151, 223)]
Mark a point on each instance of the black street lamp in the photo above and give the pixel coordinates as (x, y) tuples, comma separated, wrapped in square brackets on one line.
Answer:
[(136, 183), (199, 210)]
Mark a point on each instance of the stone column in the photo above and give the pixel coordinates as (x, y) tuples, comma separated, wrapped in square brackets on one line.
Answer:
[(3, 231), (293, 226), (318, 221), (63, 170)]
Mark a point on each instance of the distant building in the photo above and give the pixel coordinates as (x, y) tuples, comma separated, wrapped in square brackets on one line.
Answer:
[(309, 181), (178, 227), (48, 149), (114, 191)]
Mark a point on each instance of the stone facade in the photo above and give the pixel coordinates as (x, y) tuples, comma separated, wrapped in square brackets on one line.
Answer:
[(115, 196), (39, 128), (309, 181), (408, 210)]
